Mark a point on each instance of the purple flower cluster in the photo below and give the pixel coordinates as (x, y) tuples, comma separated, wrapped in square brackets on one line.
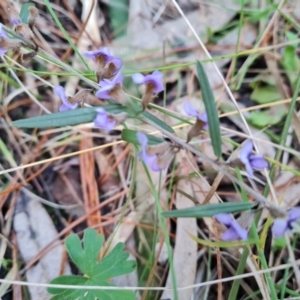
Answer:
[(235, 231)]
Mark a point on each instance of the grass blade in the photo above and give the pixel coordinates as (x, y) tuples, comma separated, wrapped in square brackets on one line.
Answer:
[(54, 16), (211, 110), (208, 210)]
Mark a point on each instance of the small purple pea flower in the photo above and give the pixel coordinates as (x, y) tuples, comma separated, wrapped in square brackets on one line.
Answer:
[(280, 226), (234, 231), (153, 83), (112, 89), (104, 120), (150, 160), (107, 64), (191, 111), (156, 78), (66, 105), (250, 160)]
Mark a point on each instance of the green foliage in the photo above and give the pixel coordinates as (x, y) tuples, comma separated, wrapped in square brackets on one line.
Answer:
[(208, 210), (265, 117), (118, 12), (66, 35), (211, 110), (96, 273), (129, 136), (265, 94), (24, 13)]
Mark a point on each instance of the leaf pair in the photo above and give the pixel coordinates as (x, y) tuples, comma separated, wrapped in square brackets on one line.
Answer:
[(95, 273)]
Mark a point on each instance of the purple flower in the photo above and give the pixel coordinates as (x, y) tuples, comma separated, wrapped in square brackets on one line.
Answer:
[(191, 111), (15, 21), (150, 160), (104, 120), (109, 89), (155, 80), (280, 226), (66, 105), (234, 231), (103, 57), (3, 35), (250, 160)]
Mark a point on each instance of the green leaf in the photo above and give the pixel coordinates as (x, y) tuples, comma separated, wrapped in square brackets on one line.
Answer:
[(265, 118), (24, 13), (59, 119), (85, 258), (208, 210), (211, 110), (129, 136), (265, 94), (140, 114), (66, 280), (157, 121), (96, 273), (69, 117), (290, 60), (118, 13), (54, 16)]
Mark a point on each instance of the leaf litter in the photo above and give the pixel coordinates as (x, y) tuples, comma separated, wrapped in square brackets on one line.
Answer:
[(154, 29)]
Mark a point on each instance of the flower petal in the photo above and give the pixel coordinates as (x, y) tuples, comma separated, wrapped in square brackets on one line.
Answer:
[(241, 232), (138, 78), (157, 79), (66, 105), (293, 214), (2, 51), (279, 227), (225, 219), (102, 120), (2, 32), (258, 162), (116, 61), (246, 151), (230, 235), (190, 110), (106, 86), (118, 79), (143, 154), (249, 169), (142, 139)]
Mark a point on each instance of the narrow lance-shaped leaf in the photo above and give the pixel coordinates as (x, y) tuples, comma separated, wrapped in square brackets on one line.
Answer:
[(211, 110), (70, 117), (208, 210)]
